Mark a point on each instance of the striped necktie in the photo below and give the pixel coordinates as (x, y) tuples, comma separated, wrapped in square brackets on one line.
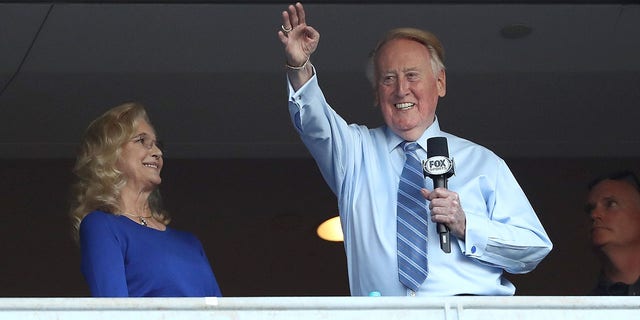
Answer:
[(411, 222)]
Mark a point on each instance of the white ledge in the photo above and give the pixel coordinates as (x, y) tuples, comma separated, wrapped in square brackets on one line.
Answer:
[(311, 308)]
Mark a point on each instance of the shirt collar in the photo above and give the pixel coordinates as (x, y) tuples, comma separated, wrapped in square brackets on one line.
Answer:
[(393, 140), (608, 287)]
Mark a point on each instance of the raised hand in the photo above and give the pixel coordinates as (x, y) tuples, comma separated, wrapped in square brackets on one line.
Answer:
[(299, 39)]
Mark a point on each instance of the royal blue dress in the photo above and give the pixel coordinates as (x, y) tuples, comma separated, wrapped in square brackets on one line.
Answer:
[(121, 258)]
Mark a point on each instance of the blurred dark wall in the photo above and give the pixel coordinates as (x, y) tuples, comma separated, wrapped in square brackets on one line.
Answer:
[(256, 219)]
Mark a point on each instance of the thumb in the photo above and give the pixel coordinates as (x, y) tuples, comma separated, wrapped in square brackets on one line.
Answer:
[(312, 33)]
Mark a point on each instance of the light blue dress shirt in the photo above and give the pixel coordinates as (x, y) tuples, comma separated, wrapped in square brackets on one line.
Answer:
[(362, 167)]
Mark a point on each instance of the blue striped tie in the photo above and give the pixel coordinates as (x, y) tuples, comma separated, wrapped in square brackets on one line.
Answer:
[(412, 222)]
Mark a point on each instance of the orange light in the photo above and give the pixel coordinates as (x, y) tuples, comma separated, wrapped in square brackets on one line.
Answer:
[(331, 230)]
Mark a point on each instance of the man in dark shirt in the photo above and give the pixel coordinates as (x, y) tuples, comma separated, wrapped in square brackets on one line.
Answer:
[(613, 204)]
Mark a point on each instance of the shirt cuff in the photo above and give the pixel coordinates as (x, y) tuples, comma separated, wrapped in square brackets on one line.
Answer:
[(294, 95), (475, 242)]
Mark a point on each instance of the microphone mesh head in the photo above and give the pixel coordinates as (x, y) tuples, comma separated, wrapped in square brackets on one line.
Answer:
[(437, 146)]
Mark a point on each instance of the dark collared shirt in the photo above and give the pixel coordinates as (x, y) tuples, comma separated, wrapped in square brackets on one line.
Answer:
[(607, 288)]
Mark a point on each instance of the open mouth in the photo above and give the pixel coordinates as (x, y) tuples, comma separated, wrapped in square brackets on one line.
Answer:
[(151, 165), (404, 105)]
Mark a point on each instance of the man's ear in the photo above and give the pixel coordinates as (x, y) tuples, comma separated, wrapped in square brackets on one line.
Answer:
[(442, 83)]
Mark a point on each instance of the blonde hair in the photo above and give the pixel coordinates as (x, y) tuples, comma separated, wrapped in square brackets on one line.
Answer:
[(98, 181), (426, 38)]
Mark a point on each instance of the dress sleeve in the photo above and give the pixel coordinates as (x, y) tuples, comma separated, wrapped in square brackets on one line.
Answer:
[(102, 261)]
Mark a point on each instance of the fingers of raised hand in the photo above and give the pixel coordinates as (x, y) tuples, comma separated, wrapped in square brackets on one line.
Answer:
[(301, 15), (286, 29), (292, 18), (286, 26)]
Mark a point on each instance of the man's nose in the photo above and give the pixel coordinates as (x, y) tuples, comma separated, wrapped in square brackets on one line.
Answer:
[(595, 213), (402, 87)]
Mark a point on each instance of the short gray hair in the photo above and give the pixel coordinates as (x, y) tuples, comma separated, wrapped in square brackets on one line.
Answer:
[(426, 38)]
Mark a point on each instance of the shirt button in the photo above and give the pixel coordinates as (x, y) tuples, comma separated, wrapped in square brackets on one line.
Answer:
[(473, 249), (412, 293)]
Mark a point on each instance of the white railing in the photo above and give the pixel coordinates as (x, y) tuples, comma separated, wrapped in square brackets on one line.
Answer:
[(312, 308)]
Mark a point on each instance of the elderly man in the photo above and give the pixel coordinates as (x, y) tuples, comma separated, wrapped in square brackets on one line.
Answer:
[(388, 211)]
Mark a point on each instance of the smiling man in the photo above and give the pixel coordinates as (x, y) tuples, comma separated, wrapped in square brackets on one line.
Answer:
[(613, 204), (388, 210)]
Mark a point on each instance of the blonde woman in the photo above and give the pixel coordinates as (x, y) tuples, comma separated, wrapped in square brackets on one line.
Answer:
[(127, 247)]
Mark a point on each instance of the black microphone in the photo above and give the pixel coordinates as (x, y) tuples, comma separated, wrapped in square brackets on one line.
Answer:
[(439, 167)]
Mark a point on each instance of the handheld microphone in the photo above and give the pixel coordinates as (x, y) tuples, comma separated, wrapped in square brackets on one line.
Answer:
[(439, 167)]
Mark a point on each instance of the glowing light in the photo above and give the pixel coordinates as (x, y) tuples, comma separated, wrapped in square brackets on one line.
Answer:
[(331, 230)]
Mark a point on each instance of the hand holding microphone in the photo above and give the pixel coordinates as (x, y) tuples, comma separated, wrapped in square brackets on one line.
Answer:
[(439, 167)]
